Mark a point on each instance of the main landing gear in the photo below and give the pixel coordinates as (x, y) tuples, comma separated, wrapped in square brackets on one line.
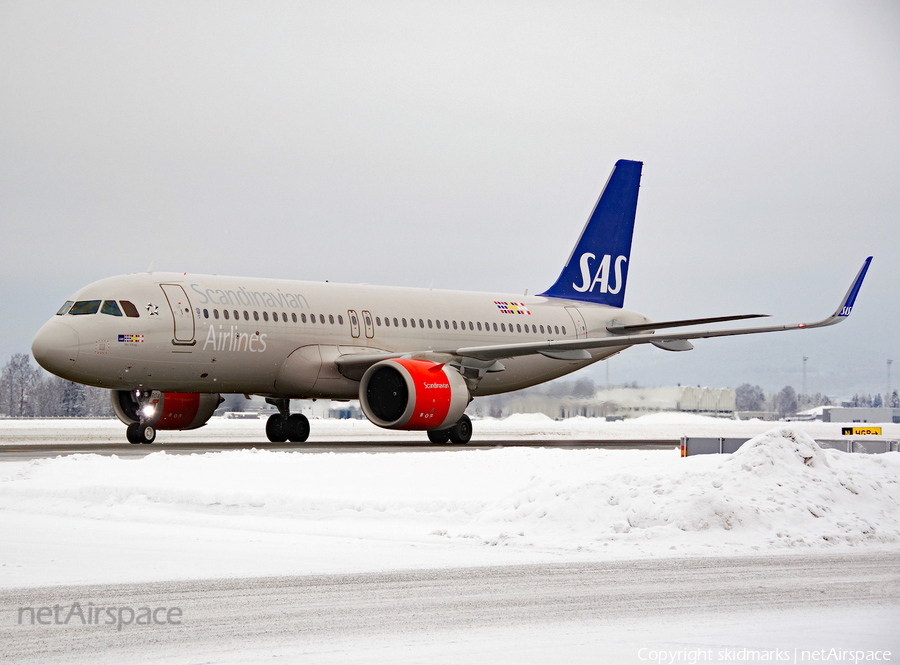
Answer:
[(284, 426), (140, 433), (461, 432)]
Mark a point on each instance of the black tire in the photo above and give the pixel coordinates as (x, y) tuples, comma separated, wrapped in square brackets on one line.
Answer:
[(297, 428), (132, 433), (148, 433), (276, 428), (461, 432), (439, 435)]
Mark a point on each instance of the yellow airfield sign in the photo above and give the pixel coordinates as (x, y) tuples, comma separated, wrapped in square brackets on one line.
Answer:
[(861, 431)]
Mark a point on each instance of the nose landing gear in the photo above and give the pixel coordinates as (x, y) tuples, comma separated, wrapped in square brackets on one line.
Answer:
[(140, 433), (284, 426)]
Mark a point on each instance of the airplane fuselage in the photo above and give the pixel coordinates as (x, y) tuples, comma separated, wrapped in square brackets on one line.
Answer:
[(206, 333)]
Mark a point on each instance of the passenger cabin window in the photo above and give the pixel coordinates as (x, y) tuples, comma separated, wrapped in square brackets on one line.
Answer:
[(65, 308), (110, 307), (85, 307)]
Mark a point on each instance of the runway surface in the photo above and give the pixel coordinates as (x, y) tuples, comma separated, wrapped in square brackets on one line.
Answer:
[(25, 451), (329, 614)]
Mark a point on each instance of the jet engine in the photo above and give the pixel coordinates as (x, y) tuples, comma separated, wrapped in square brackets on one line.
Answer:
[(413, 394), (164, 410)]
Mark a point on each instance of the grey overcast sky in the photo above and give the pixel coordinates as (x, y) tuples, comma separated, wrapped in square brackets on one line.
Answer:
[(465, 143)]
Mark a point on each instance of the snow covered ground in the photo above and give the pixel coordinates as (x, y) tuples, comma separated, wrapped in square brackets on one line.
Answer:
[(92, 519), (255, 512)]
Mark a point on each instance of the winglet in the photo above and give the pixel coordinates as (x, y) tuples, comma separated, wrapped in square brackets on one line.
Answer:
[(846, 305)]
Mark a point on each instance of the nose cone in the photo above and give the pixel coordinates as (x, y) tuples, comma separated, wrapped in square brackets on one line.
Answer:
[(55, 348)]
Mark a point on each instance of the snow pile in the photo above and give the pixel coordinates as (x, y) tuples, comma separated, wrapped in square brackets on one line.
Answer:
[(257, 512), (779, 490)]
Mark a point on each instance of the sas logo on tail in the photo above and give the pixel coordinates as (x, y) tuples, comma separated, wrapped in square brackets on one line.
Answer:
[(600, 275)]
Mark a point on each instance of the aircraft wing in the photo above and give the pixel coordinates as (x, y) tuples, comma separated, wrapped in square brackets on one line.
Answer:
[(578, 349)]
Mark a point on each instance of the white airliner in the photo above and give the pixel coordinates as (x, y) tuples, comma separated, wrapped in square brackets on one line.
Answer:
[(167, 345)]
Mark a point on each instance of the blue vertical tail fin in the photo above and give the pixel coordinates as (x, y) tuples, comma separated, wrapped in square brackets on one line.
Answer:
[(598, 266)]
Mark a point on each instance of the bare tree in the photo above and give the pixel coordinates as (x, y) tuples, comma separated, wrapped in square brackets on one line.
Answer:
[(97, 403), (583, 388), (749, 398), (786, 401), (20, 380)]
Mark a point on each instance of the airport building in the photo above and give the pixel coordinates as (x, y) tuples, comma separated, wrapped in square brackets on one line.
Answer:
[(860, 414), (629, 402)]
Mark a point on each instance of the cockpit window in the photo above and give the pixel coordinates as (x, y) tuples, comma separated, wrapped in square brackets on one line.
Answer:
[(85, 307), (65, 308), (110, 307), (130, 309)]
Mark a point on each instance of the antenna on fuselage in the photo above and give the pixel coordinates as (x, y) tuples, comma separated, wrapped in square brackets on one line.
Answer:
[(150, 269)]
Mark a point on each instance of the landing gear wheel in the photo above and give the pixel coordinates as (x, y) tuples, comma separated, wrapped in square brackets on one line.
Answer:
[(147, 433), (276, 428), (439, 435), (297, 428), (132, 433), (461, 432)]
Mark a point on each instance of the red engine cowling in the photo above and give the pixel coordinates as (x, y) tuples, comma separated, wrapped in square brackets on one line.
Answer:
[(413, 394), (165, 410)]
